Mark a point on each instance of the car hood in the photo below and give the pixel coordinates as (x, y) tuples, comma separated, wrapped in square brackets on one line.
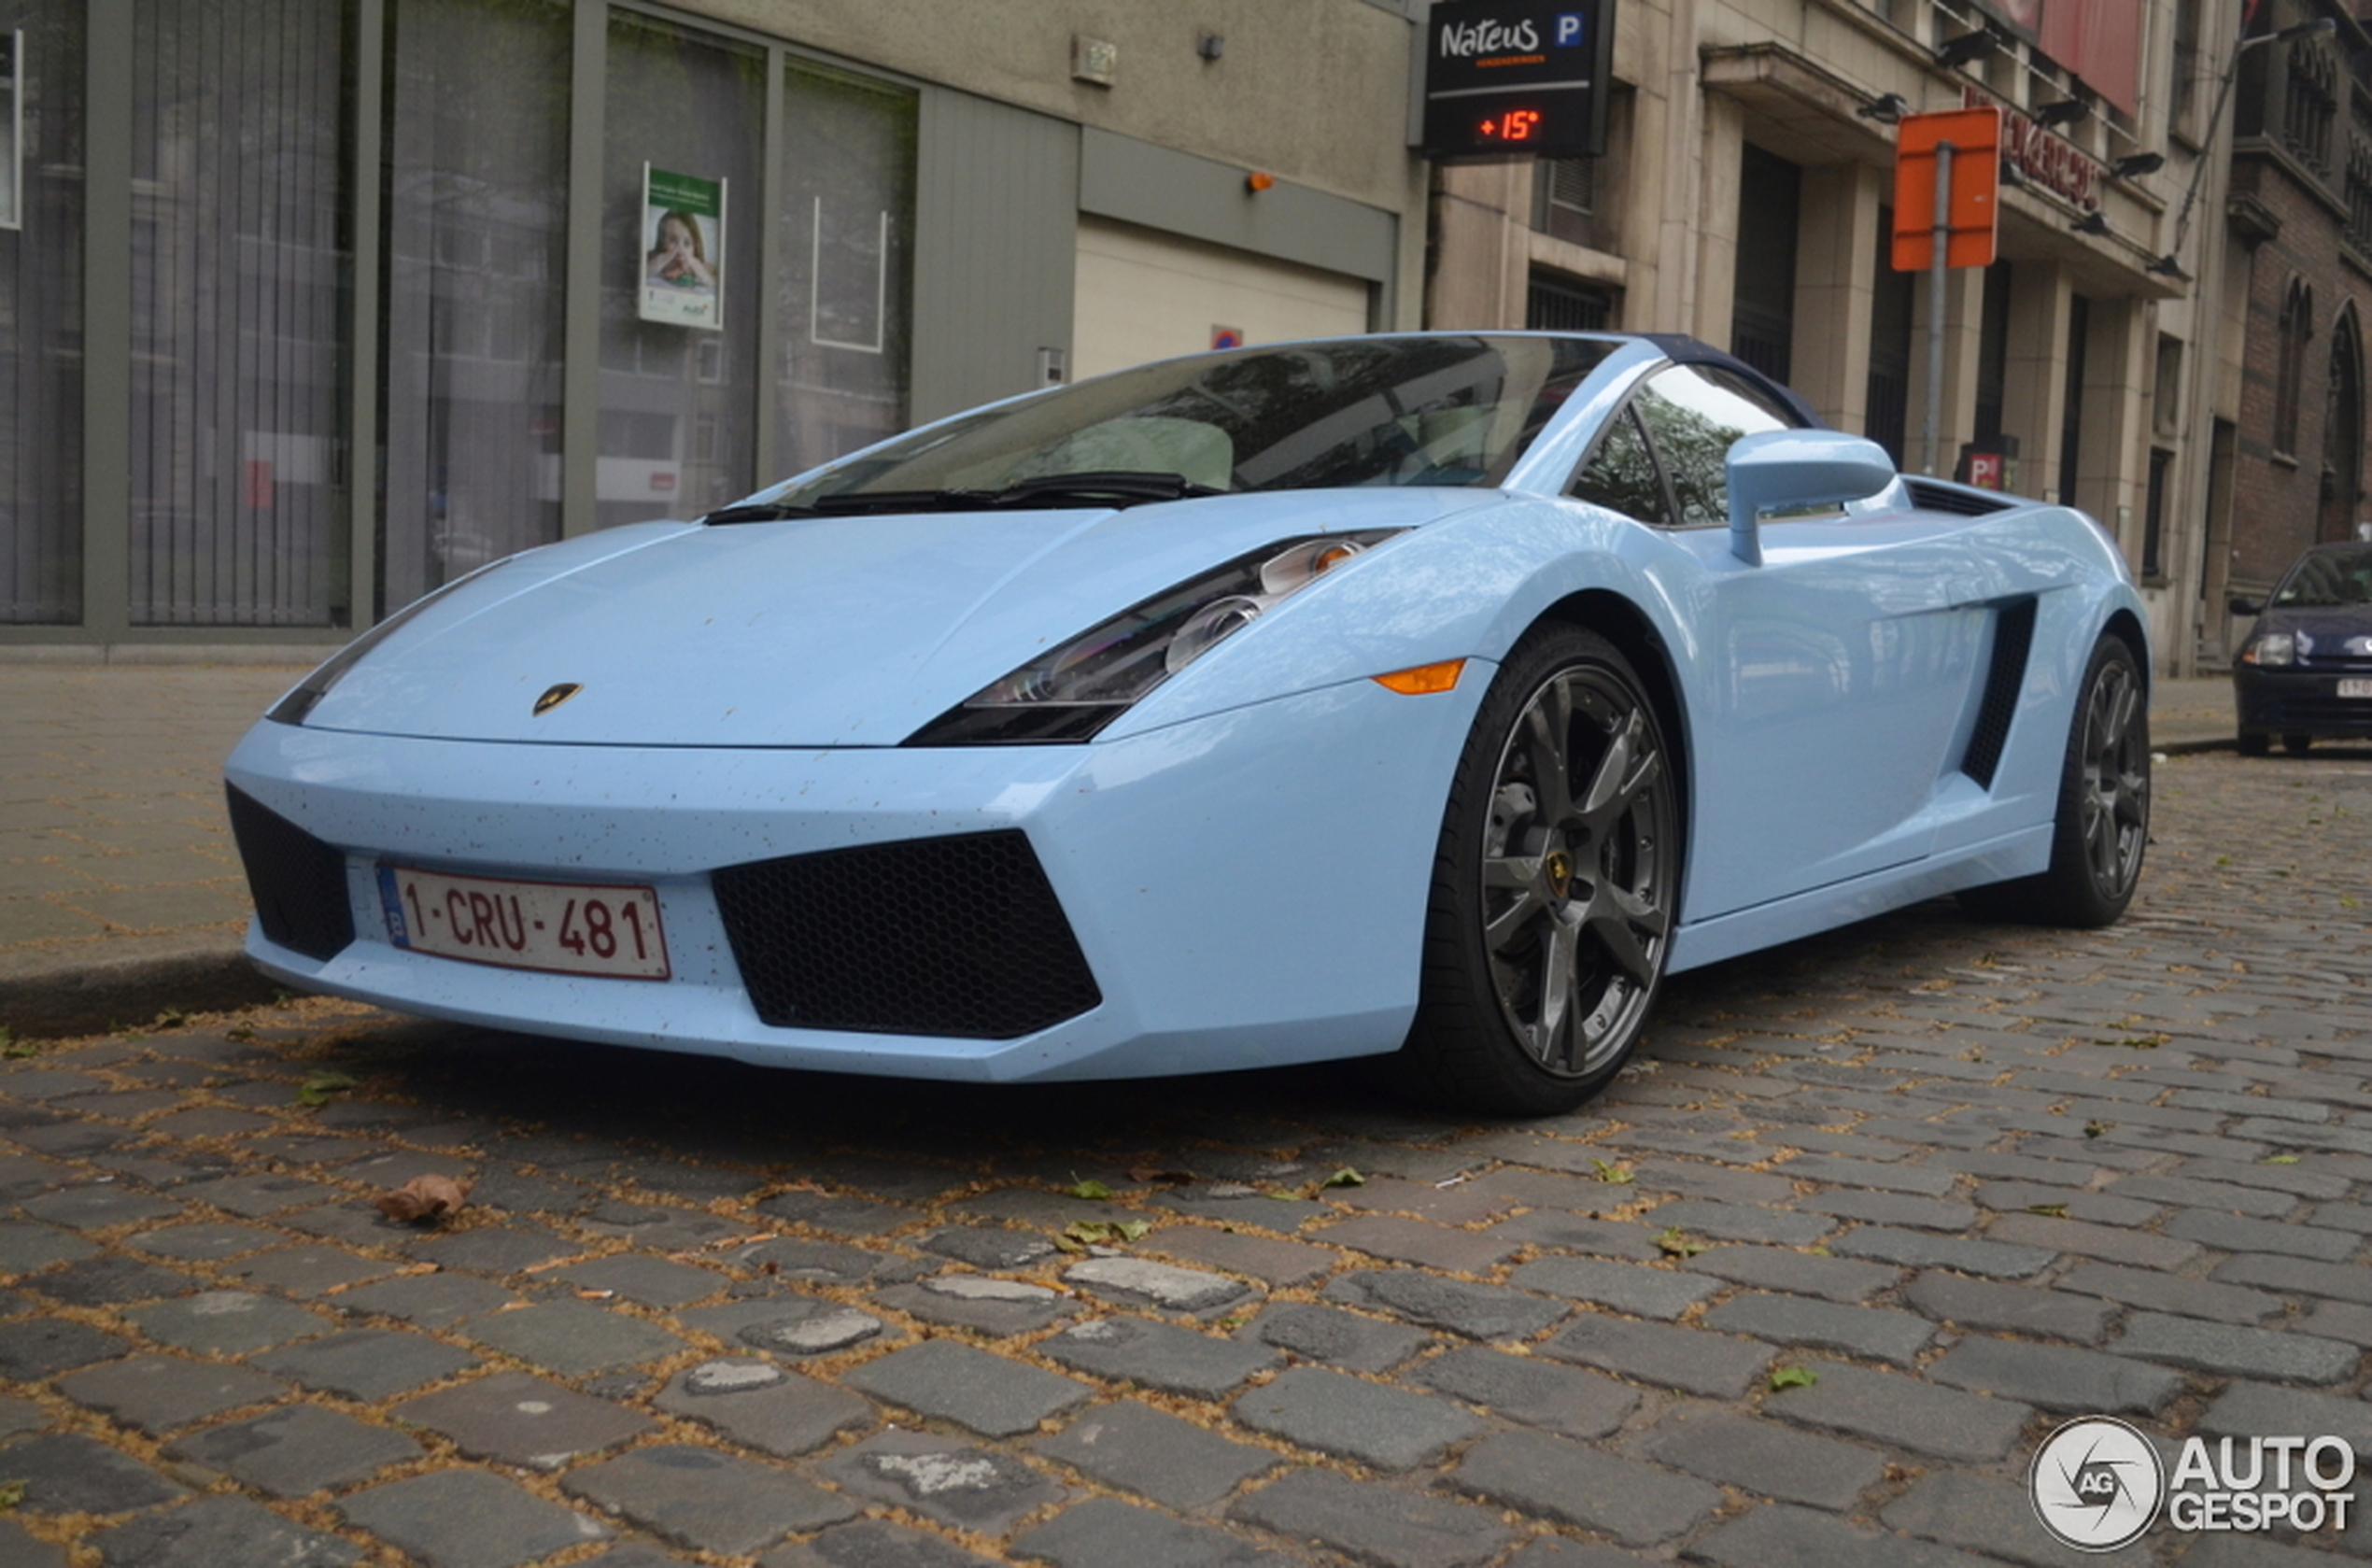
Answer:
[(836, 631), (2342, 632)]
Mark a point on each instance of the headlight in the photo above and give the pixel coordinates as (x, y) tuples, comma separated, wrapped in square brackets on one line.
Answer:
[(293, 707), (1071, 693), (2273, 648)]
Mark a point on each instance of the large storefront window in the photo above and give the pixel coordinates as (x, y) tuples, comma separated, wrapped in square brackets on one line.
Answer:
[(846, 272), (477, 237), (239, 229), (41, 324), (679, 409)]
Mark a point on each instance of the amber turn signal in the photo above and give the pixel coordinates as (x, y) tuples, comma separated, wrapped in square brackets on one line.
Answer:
[(1424, 678)]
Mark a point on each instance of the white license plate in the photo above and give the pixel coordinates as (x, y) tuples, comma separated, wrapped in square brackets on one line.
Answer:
[(559, 927), (2355, 688)]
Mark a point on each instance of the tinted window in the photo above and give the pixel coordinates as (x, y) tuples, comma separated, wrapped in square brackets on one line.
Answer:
[(1621, 475), (1695, 415)]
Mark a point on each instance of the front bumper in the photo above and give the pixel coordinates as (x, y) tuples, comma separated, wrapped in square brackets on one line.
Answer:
[(2295, 700), (1246, 890)]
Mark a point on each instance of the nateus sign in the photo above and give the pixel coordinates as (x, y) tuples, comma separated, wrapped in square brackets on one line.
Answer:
[(1517, 78)]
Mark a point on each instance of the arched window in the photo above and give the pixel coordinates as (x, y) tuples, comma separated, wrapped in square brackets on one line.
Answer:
[(2342, 433), (2296, 325)]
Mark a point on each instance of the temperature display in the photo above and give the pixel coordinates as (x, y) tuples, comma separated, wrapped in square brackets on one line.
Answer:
[(1514, 125)]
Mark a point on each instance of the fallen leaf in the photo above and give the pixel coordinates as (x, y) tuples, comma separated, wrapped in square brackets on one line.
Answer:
[(1792, 1377), (1102, 1233), (2056, 1210), (425, 1197), (1613, 1175), (1344, 1178), (2094, 1129), (2278, 1160), (1090, 1189), (322, 1085), (12, 1494)]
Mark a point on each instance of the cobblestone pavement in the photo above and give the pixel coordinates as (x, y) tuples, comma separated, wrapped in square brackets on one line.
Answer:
[(1872, 1214)]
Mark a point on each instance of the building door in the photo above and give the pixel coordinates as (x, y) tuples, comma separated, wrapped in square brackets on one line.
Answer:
[(1146, 295)]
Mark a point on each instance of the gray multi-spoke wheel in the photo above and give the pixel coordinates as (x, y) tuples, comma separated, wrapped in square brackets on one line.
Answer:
[(1556, 885), (2102, 828)]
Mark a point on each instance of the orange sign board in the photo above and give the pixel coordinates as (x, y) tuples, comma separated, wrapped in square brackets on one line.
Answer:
[(1973, 202)]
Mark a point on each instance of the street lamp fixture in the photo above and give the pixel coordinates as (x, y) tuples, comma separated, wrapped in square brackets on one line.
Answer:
[(2090, 223), (1966, 49), (2066, 111), (2319, 26), (1886, 108), (2134, 163)]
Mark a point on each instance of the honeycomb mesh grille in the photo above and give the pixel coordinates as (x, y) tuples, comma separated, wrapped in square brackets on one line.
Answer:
[(2013, 638), (958, 936), (296, 880)]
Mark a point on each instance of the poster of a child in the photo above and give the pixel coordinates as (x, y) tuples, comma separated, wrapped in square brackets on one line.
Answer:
[(683, 249)]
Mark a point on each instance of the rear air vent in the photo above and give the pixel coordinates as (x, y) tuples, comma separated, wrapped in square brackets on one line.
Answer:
[(2012, 637), (1929, 495)]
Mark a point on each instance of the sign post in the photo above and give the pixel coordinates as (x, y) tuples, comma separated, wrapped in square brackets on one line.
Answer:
[(1947, 168)]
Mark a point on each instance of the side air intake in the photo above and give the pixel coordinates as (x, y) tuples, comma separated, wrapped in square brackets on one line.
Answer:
[(2013, 640)]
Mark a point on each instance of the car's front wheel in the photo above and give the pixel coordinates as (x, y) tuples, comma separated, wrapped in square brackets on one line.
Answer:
[(2102, 825), (1555, 887)]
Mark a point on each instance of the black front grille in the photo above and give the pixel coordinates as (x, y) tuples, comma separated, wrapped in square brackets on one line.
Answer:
[(296, 880), (2013, 640), (959, 936)]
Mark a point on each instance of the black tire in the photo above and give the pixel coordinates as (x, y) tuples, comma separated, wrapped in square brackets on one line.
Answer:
[(1553, 907), (2102, 825), (2296, 745), (2254, 742)]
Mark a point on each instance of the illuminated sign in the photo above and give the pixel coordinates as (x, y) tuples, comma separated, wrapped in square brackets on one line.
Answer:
[(1517, 78)]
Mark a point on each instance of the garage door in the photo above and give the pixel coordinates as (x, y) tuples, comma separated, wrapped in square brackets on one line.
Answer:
[(1146, 295)]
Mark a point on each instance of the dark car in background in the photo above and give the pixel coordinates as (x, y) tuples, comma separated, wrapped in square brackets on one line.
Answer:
[(2304, 672)]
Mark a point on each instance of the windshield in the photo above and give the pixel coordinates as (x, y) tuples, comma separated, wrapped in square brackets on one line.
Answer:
[(2327, 579), (1358, 411)]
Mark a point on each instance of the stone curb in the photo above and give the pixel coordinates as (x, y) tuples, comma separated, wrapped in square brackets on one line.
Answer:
[(93, 997)]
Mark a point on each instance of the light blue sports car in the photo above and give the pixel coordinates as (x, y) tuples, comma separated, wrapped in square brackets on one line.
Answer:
[(1434, 695)]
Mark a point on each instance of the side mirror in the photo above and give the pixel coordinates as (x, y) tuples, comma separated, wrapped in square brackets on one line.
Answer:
[(1798, 470), (2241, 604)]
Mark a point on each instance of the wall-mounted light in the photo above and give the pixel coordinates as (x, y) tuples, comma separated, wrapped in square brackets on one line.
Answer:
[(1259, 180), (1966, 49), (2012, 176), (1210, 45), (2134, 163), (1886, 108), (2090, 223), (2167, 266), (2066, 111)]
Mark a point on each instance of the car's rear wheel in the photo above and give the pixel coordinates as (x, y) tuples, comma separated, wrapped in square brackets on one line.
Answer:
[(2296, 745), (1555, 885), (2254, 742), (2102, 825)]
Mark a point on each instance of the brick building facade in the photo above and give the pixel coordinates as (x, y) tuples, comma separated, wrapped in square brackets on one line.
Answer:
[(2299, 210)]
